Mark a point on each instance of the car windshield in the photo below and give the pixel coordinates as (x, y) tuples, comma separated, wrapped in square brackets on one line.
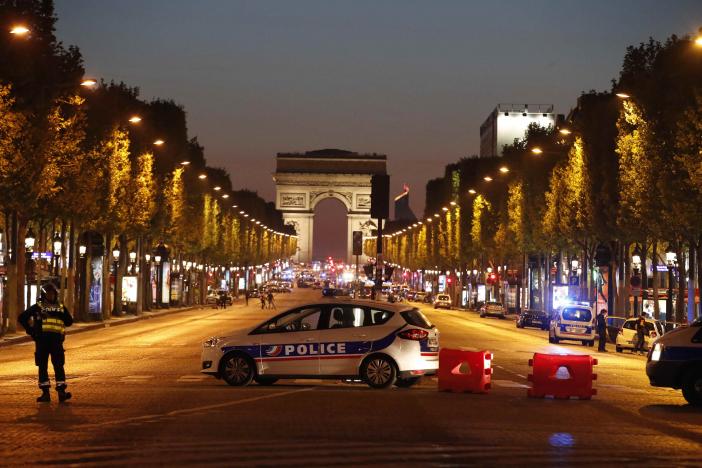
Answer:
[(443, 297), (498, 304), (416, 318), (575, 314)]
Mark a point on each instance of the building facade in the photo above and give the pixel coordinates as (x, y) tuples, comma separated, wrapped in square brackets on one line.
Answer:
[(508, 122)]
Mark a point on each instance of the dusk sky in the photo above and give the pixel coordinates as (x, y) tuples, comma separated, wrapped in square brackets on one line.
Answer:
[(411, 79)]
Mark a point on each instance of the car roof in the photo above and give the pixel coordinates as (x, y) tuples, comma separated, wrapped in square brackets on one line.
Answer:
[(366, 303)]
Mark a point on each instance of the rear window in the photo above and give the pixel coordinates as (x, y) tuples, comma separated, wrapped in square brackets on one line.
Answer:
[(416, 318), (443, 297), (575, 314)]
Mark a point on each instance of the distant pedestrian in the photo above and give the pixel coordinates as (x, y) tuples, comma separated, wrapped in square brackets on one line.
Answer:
[(602, 330), (641, 333), (46, 322), (246, 296), (271, 302), (263, 300)]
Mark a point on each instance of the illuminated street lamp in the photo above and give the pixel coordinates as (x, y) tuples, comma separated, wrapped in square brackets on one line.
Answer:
[(115, 252), (184, 163), (202, 176), (472, 191), (159, 142), (504, 169), (487, 179), (623, 95), (82, 250), (19, 30), (135, 119), (564, 131), (537, 150), (89, 83), (29, 240), (636, 279), (57, 243), (670, 259)]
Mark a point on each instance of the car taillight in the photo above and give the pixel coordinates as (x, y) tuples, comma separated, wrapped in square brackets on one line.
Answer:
[(413, 334)]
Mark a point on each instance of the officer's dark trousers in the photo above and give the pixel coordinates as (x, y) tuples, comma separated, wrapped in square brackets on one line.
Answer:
[(640, 341), (50, 345), (603, 339)]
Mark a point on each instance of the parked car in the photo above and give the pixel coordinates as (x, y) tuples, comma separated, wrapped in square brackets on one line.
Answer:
[(443, 301), (533, 318), (419, 296), (493, 309), (626, 338)]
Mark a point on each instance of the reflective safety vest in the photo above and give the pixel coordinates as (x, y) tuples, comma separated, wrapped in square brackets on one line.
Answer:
[(52, 318)]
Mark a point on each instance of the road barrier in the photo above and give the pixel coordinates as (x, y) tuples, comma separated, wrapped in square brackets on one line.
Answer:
[(562, 376), (464, 371)]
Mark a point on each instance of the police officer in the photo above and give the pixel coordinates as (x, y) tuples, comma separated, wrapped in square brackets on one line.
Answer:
[(602, 330), (46, 322)]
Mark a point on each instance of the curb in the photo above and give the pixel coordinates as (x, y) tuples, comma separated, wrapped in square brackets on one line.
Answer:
[(98, 325)]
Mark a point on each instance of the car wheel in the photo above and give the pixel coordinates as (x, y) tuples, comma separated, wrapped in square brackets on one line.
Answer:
[(407, 383), (554, 340), (584, 343), (378, 372), (237, 369), (482, 315), (263, 380), (591, 343), (692, 386), (619, 349)]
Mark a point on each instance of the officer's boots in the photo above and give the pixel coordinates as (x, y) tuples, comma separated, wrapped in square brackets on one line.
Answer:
[(63, 394), (45, 396)]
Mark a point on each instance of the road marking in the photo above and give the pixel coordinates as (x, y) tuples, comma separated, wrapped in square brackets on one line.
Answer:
[(193, 378), (148, 417), (136, 378), (509, 384)]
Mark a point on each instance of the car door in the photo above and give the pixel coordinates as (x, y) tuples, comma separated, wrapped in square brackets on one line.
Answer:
[(290, 343), (629, 333), (345, 340)]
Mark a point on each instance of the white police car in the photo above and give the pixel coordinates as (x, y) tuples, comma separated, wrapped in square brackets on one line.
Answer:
[(572, 322), (381, 343), (675, 361)]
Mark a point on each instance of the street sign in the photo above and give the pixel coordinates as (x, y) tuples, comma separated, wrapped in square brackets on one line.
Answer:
[(574, 281)]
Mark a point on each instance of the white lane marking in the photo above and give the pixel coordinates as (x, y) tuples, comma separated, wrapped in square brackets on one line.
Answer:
[(509, 384), (195, 409), (193, 378)]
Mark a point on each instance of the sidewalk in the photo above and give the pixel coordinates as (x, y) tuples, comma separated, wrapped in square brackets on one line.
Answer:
[(79, 327)]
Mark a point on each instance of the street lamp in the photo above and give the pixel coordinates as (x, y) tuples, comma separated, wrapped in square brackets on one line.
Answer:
[(132, 259), (636, 279), (29, 240), (20, 30), (670, 259), (537, 150), (159, 142), (82, 249), (57, 243)]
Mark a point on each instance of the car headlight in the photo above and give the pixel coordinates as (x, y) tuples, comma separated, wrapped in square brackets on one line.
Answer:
[(657, 351), (211, 342)]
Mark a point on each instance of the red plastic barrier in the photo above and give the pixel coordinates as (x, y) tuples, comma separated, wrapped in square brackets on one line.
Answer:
[(562, 376), (464, 371)]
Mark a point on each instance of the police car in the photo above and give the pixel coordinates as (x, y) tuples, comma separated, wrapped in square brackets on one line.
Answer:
[(675, 361), (574, 322), (380, 343)]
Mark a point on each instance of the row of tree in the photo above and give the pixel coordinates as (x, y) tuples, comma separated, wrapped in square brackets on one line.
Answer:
[(623, 173), (96, 158)]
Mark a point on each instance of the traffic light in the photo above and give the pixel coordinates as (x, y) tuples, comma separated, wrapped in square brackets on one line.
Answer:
[(380, 196)]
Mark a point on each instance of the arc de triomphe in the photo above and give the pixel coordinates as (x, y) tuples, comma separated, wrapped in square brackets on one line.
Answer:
[(304, 179)]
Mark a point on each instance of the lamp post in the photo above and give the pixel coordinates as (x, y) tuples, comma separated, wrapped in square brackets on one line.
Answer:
[(157, 261), (57, 243), (116, 309), (29, 240), (132, 261), (636, 279), (670, 259)]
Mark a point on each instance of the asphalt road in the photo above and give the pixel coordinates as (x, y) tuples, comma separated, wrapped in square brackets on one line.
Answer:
[(139, 400)]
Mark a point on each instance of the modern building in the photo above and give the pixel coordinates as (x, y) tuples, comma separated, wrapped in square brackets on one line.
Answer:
[(509, 122), (403, 212)]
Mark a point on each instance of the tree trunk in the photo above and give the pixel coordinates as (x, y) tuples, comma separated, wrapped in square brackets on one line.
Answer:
[(140, 275), (655, 280), (691, 284), (699, 276), (106, 267), (680, 295), (21, 260)]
